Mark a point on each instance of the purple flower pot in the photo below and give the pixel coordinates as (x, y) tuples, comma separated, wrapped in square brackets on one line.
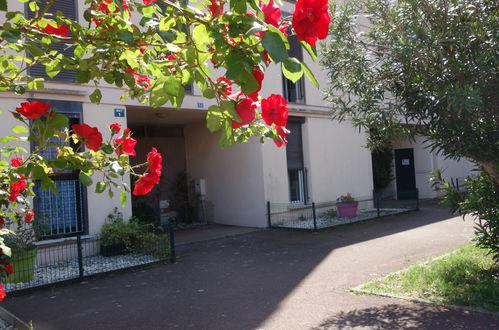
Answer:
[(347, 210)]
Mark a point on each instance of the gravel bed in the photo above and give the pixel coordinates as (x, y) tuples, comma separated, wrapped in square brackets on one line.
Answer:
[(66, 270), (325, 222), (4, 325)]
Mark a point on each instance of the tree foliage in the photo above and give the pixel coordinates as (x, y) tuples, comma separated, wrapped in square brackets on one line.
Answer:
[(426, 67)]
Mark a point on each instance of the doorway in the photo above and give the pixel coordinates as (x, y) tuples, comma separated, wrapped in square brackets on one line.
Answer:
[(405, 174)]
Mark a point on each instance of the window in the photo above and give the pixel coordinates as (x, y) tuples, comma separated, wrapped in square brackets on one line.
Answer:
[(62, 214), (68, 8), (294, 92), (295, 163)]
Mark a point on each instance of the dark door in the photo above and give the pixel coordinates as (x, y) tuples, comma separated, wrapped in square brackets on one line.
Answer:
[(405, 174)]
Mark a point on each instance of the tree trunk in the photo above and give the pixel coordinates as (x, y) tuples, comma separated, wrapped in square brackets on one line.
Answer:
[(492, 170)]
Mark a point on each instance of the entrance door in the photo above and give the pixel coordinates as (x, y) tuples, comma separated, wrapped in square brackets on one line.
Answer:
[(405, 174)]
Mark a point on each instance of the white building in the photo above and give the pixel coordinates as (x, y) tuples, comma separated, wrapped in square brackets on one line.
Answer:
[(323, 160)]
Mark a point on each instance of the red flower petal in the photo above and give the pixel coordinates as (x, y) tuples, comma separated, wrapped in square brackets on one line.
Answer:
[(275, 110), (33, 110), (246, 111), (90, 136)]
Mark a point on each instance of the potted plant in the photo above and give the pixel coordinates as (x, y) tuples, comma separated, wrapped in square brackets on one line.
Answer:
[(21, 266), (347, 206), (118, 236)]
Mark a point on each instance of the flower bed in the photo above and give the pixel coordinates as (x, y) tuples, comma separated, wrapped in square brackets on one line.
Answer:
[(326, 221)]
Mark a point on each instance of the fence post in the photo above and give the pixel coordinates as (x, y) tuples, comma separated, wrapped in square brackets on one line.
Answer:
[(377, 197), (171, 235), (269, 220), (315, 217), (417, 199), (80, 257)]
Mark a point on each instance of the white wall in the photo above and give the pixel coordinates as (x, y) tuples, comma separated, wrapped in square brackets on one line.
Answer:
[(234, 176), (337, 161)]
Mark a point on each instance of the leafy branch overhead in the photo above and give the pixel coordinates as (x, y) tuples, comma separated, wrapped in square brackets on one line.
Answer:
[(152, 49)]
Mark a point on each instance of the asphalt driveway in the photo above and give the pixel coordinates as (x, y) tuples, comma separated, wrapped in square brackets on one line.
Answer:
[(274, 279)]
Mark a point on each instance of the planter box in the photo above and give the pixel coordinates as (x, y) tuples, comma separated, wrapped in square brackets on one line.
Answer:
[(112, 250), (23, 263), (347, 210)]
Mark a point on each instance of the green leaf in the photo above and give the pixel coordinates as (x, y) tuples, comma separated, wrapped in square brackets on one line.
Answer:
[(247, 82), (100, 187), (6, 250), (34, 50), (177, 100), (157, 96), (6, 139), (310, 75), (226, 137), (85, 179), (200, 35), (208, 93), (312, 51), (117, 168), (238, 6), (274, 45), (107, 148), (172, 86), (125, 36), (79, 51), (123, 196), (229, 108), (18, 129), (53, 67), (11, 36), (58, 121), (214, 118), (36, 84), (96, 96), (3, 7), (83, 76), (291, 68)]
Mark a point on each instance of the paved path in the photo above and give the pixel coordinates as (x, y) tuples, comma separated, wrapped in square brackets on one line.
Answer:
[(273, 279)]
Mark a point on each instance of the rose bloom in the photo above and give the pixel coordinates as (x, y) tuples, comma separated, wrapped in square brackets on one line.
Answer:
[(2, 293), (143, 81), (155, 161), (272, 13), (246, 111), (148, 2), (16, 162), (29, 216), (226, 84), (90, 136), (311, 20), (9, 269), (115, 128), (275, 110), (258, 74), (145, 184), (60, 30), (216, 8), (282, 134), (16, 188), (125, 145), (33, 110)]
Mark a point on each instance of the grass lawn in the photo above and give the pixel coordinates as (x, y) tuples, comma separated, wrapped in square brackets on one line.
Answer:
[(466, 277)]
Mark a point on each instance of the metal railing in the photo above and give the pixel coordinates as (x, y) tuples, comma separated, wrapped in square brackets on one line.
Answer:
[(76, 258), (316, 216)]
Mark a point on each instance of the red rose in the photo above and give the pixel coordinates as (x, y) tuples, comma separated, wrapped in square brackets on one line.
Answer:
[(272, 13), (155, 161), (115, 128), (9, 269), (148, 2), (60, 30), (145, 184), (125, 145), (216, 8), (246, 111), (143, 81), (275, 110), (258, 74), (16, 188), (16, 162), (33, 110), (226, 85), (90, 136), (2, 293), (311, 20), (282, 134), (29, 216)]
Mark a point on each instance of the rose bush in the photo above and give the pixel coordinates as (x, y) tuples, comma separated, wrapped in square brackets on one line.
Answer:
[(150, 49)]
